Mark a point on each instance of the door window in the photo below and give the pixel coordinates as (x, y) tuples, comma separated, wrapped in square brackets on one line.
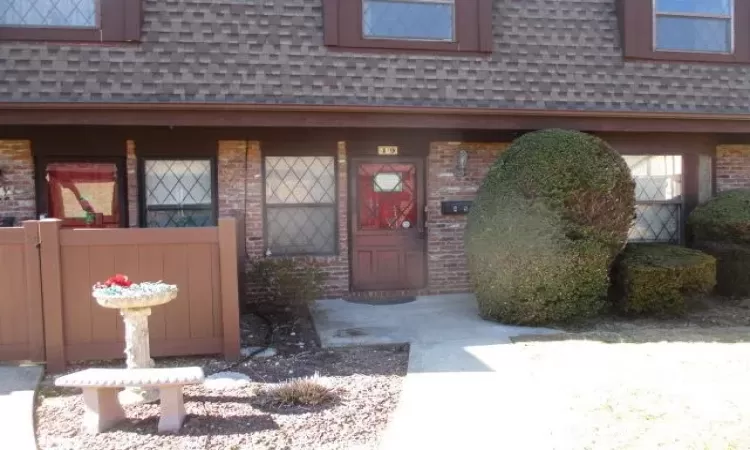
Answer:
[(387, 198)]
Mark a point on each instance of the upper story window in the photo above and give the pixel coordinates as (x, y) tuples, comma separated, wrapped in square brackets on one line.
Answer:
[(686, 30), (421, 25), (70, 20), (694, 25), (428, 20)]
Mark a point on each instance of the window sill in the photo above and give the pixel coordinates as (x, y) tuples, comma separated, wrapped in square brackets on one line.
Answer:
[(61, 35), (687, 57), (407, 50)]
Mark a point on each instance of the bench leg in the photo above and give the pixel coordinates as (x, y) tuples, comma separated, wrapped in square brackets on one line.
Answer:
[(102, 409), (171, 409)]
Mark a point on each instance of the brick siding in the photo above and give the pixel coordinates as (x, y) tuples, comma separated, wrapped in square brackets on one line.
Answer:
[(732, 167), (131, 167), (17, 195), (446, 261)]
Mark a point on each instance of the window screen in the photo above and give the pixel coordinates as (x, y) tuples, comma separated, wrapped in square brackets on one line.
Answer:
[(658, 195), (179, 193), (300, 205)]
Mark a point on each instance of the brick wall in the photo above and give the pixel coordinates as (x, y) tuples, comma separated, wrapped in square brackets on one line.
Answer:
[(17, 196), (337, 267), (131, 167), (240, 186), (446, 261), (732, 167)]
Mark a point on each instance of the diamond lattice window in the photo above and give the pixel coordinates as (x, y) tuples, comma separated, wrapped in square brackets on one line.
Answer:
[(49, 13), (431, 20), (658, 193), (300, 205), (694, 25), (179, 193)]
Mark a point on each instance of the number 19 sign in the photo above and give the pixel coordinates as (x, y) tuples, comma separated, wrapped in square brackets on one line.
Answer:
[(387, 150)]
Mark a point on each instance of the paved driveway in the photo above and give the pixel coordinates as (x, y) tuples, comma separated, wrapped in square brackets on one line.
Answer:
[(460, 380)]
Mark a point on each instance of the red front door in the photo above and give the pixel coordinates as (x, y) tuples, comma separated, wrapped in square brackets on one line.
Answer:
[(83, 194), (388, 239)]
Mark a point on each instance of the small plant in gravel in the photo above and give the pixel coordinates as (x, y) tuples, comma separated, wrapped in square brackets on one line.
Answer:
[(308, 391), (287, 281)]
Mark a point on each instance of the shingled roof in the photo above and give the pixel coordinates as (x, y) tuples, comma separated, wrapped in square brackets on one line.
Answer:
[(551, 54)]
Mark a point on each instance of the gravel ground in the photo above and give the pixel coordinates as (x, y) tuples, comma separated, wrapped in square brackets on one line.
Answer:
[(368, 381)]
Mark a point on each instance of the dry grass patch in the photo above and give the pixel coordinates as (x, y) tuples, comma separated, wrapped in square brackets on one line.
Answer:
[(643, 388), (309, 391)]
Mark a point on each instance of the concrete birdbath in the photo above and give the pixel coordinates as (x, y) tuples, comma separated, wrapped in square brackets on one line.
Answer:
[(134, 300)]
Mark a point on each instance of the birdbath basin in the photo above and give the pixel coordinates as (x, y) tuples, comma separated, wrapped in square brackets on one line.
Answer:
[(134, 300)]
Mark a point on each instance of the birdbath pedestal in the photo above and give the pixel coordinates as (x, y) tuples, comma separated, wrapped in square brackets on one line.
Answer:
[(134, 302)]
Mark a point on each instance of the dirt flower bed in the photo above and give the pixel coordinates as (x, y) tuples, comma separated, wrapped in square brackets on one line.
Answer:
[(701, 312), (367, 382)]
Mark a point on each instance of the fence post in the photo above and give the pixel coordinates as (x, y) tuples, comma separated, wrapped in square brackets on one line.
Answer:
[(34, 290), (54, 341), (230, 302)]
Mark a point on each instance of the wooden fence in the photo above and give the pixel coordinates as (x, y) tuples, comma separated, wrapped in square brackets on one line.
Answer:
[(50, 312)]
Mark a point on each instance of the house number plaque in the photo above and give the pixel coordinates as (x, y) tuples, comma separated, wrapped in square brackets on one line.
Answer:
[(387, 150)]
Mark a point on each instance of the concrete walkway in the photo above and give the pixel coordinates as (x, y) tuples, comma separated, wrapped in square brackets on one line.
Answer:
[(459, 389), (17, 387)]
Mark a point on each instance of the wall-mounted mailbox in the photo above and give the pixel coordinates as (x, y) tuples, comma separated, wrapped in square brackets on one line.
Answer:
[(455, 207)]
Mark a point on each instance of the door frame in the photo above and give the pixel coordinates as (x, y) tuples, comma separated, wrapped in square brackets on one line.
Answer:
[(353, 214), (40, 184)]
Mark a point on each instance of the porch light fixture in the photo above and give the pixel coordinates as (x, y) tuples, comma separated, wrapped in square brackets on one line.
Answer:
[(461, 159)]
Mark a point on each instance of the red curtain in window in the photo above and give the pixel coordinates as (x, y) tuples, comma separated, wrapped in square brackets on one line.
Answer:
[(69, 176), (381, 208)]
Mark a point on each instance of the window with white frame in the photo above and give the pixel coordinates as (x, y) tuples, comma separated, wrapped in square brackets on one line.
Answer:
[(429, 20), (300, 205), (658, 194), (178, 193), (704, 26)]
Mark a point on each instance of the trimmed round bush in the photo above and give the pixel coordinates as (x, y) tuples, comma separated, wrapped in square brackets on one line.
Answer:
[(656, 278), (721, 227), (547, 223)]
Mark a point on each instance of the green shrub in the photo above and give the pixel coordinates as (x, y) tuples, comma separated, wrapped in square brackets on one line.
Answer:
[(548, 221), (287, 281), (732, 267), (656, 278), (721, 227), (725, 218)]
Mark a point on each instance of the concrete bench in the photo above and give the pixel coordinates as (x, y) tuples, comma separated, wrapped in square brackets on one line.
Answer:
[(100, 387)]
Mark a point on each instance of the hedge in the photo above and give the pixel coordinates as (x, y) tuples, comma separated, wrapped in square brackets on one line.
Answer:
[(656, 278), (721, 227)]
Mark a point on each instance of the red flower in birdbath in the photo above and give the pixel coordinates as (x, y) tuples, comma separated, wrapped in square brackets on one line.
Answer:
[(118, 280)]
